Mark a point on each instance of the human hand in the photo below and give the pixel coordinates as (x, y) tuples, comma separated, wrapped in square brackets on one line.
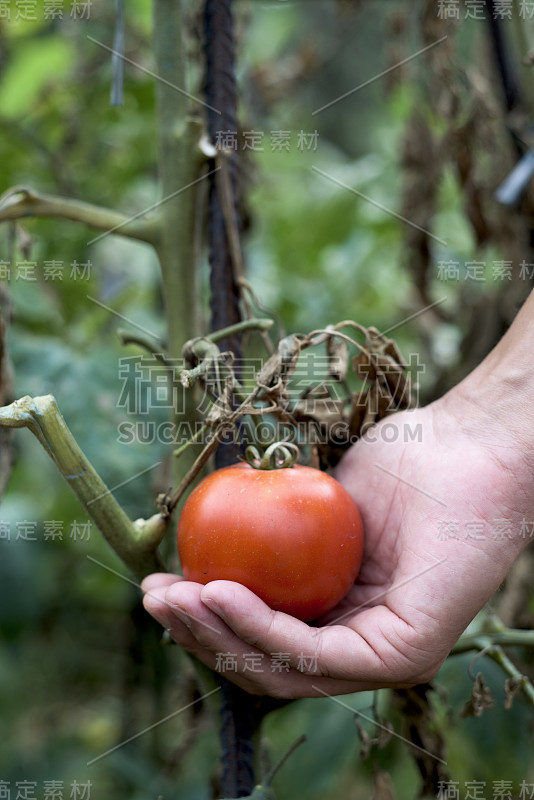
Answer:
[(419, 586)]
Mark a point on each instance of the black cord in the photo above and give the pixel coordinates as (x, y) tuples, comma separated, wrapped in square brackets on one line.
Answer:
[(221, 94)]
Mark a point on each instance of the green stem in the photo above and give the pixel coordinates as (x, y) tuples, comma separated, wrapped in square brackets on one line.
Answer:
[(251, 324), (22, 201), (195, 437), (281, 761), (491, 643), (134, 543), (498, 655), (180, 166), (525, 49), (154, 346), (507, 638), (181, 162)]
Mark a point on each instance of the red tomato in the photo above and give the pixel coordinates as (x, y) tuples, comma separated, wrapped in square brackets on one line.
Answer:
[(293, 536)]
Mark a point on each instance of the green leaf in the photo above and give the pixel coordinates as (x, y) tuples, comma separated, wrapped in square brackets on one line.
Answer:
[(35, 64)]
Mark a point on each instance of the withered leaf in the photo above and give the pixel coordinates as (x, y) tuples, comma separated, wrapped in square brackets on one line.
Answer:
[(365, 739), (511, 688), (289, 348), (382, 786), (277, 370), (337, 353), (384, 730), (221, 409), (480, 700), (269, 375), (422, 730), (387, 384)]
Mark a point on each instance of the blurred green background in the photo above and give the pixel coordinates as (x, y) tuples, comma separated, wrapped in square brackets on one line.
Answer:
[(81, 667)]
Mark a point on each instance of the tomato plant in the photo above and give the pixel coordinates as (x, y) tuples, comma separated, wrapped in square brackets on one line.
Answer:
[(293, 536)]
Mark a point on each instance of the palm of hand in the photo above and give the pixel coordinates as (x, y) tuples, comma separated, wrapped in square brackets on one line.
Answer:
[(416, 591)]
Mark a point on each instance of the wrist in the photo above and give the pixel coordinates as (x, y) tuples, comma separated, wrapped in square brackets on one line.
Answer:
[(494, 411), (495, 402)]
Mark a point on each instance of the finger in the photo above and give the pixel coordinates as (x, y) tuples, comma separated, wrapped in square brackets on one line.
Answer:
[(159, 579), (195, 627), (154, 602), (177, 626), (219, 647), (364, 653), (156, 605)]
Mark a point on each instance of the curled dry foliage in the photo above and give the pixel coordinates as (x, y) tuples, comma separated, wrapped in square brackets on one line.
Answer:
[(422, 730), (384, 732), (316, 408), (480, 700), (511, 688), (383, 788)]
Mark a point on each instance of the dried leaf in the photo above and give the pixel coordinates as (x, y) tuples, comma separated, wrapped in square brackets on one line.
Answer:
[(289, 348), (276, 372), (380, 365), (318, 404), (24, 241), (511, 688), (268, 376), (331, 423), (480, 700), (221, 409), (365, 739), (422, 730), (384, 731), (422, 157), (337, 352), (364, 367), (382, 786)]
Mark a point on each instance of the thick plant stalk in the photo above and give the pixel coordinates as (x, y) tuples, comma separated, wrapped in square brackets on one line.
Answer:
[(134, 542), (22, 201), (181, 162), (182, 165)]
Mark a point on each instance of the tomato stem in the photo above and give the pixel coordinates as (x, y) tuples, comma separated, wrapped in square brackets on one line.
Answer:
[(279, 455)]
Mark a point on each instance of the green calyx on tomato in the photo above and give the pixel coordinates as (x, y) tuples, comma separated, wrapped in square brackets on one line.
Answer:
[(294, 536)]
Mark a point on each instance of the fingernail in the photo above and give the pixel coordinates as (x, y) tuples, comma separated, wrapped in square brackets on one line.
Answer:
[(213, 606)]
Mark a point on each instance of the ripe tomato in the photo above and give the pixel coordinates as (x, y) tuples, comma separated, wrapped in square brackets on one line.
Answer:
[(292, 536)]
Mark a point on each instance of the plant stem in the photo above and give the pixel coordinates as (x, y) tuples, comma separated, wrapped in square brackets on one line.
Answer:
[(498, 655), (180, 167), (134, 543), (491, 641), (251, 324), (154, 346), (194, 438), (507, 638), (22, 201), (181, 162)]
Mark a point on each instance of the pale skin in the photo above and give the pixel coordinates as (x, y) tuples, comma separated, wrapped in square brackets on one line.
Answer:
[(422, 580)]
